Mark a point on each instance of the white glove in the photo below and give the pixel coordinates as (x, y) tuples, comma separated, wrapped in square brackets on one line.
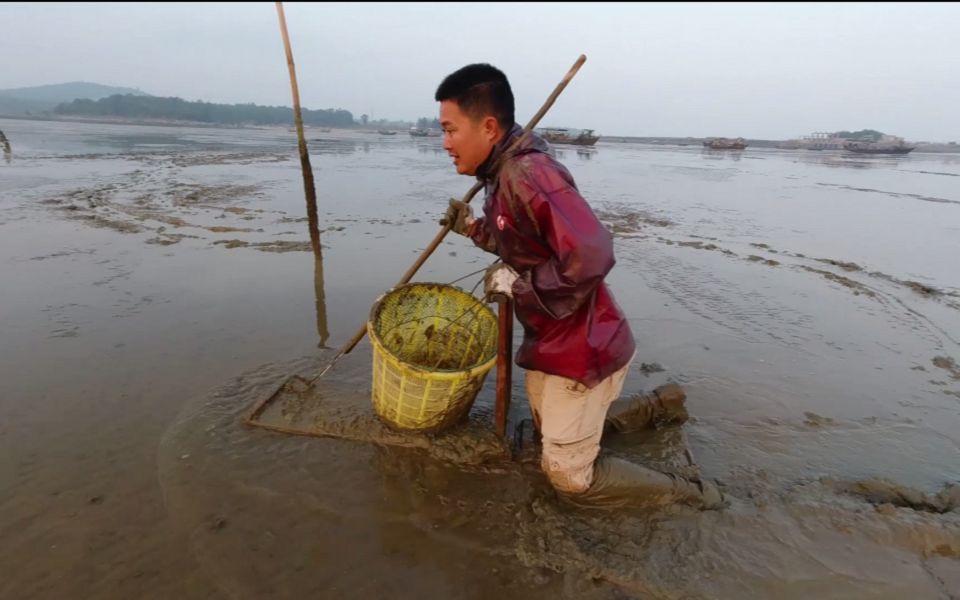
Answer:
[(499, 280)]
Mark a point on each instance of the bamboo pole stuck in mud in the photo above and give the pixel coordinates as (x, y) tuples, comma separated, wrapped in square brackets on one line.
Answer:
[(308, 187)]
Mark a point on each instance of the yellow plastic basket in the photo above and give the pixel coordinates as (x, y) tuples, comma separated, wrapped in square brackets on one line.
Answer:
[(433, 346)]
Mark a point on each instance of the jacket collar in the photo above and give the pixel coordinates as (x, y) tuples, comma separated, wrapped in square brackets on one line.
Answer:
[(486, 171)]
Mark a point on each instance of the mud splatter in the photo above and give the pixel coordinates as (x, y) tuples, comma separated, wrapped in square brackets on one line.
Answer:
[(65, 332), (697, 245), (650, 368), (173, 221), (186, 194), (947, 363), (276, 246), (245, 158), (858, 288), (883, 491), (766, 261), (62, 253), (815, 420), (230, 244), (283, 246), (927, 291), (224, 229), (168, 239), (109, 223), (920, 288), (624, 220), (846, 266)]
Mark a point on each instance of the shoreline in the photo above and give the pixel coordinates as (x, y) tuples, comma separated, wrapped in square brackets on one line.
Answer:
[(933, 148)]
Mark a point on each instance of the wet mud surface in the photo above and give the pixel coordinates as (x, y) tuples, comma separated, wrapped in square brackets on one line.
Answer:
[(339, 407), (499, 527), (158, 282)]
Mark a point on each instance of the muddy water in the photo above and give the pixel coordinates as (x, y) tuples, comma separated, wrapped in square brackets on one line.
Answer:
[(156, 285)]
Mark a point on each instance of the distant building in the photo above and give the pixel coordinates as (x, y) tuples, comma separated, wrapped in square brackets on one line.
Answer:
[(818, 140)]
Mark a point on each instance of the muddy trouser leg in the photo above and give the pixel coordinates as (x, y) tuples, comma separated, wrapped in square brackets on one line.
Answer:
[(644, 411), (570, 417), (622, 484), (534, 384), (571, 420)]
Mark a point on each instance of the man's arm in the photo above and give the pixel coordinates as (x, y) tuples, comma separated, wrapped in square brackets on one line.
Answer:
[(581, 247), (480, 234), (460, 219)]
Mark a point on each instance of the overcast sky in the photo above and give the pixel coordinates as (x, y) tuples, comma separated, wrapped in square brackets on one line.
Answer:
[(753, 70)]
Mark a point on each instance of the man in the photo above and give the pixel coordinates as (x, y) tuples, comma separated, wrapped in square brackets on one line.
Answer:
[(577, 344)]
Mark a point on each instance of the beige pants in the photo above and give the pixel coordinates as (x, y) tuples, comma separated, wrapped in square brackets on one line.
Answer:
[(570, 418)]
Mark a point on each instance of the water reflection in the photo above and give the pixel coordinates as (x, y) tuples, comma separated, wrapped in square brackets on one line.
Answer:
[(430, 148), (583, 153), (332, 146), (845, 160), (148, 141), (320, 301), (713, 154), (586, 153)]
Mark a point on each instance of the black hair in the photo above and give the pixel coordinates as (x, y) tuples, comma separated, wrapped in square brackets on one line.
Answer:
[(480, 90)]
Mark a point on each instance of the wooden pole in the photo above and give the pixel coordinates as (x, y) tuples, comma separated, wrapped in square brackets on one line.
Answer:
[(308, 187), (504, 365)]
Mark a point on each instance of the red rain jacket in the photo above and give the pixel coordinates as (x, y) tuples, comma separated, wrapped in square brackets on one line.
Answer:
[(535, 219)]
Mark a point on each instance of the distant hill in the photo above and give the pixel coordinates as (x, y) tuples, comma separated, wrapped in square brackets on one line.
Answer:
[(133, 108), (44, 98)]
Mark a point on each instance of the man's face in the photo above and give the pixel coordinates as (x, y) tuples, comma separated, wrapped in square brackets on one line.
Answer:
[(466, 140)]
